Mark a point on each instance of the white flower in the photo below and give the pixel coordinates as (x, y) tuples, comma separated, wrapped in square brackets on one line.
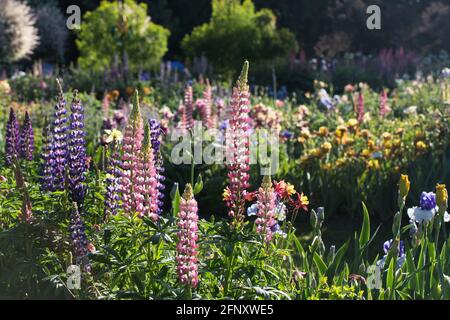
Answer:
[(252, 210), (445, 73), (280, 212), (113, 135), (412, 110), (420, 215)]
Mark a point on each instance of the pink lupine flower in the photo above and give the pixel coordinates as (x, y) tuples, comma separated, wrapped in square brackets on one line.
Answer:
[(266, 209), (181, 113), (148, 179), (383, 103), (132, 141), (279, 103), (221, 109), (189, 107), (349, 88), (360, 110), (204, 107), (187, 266), (105, 105), (237, 148)]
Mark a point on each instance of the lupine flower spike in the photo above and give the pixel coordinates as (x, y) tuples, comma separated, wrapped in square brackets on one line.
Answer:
[(79, 239), (187, 265), (189, 107), (113, 175), (237, 148), (26, 143), (207, 96), (360, 111), (46, 169), (147, 178), (58, 151), (266, 209), (11, 138), (204, 107), (132, 143), (155, 132), (77, 151)]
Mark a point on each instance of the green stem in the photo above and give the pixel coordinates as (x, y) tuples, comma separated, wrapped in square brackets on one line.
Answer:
[(230, 265)]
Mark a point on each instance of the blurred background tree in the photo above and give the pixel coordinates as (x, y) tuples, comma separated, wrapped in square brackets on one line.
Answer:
[(18, 34), (51, 21), (222, 33), (120, 30), (235, 32)]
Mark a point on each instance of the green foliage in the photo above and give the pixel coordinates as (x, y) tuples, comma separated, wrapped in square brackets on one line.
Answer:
[(116, 30), (236, 31)]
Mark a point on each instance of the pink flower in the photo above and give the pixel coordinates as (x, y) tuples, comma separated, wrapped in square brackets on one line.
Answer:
[(204, 108), (349, 88), (43, 85), (384, 109), (91, 247), (147, 179), (188, 107), (360, 110), (279, 103), (237, 148), (266, 209), (132, 182), (187, 264)]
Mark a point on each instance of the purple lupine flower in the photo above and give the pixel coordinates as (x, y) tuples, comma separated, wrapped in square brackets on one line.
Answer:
[(46, 169), (26, 142), (155, 133), (58, 153), (77, 151), (147, 177), (12, 138), (113, 176), (427, 201), (79, 239)]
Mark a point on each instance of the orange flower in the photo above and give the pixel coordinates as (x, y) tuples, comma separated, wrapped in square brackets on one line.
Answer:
[(146, 90), (250, 196), (114, 94), (226, 194), (129, 91)]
